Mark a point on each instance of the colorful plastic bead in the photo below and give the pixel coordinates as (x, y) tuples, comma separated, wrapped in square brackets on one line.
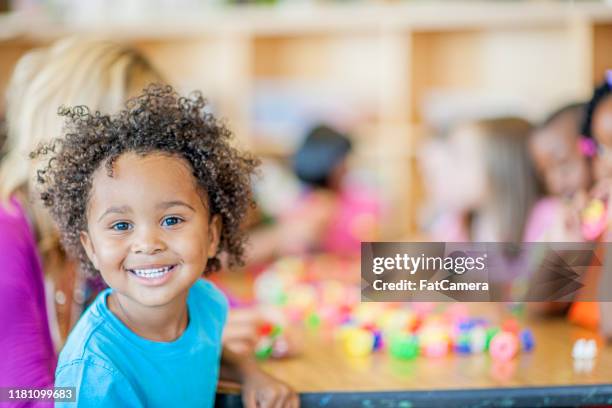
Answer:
[(280, 348), (462, 343), (491, 332), (478, 339), (404, 346), (358, 342), (504, 346), (584, 349), (594, 219), (527, 340), (378, 340), (263, 349), (511, 326), (313, 321)]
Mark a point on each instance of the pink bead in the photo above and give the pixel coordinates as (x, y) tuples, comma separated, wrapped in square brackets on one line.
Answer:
[(435, 349), (504, 346)]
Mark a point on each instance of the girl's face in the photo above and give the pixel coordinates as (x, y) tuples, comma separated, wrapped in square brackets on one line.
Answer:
[(558, 159), (149, 232), (602, 131)]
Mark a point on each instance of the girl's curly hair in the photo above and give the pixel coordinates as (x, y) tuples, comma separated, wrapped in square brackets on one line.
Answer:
[(158, 120)]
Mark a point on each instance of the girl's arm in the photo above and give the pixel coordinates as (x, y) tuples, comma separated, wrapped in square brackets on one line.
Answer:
[(258, 388)]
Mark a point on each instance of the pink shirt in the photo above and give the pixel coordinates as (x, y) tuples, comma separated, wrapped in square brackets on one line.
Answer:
[(27, 357)]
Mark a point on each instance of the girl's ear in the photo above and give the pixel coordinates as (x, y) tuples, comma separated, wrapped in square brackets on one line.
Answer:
[(89, 248), (214, 234)]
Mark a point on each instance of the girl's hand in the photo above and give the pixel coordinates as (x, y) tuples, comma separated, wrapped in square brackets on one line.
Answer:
[(240, 333), (259, 390)]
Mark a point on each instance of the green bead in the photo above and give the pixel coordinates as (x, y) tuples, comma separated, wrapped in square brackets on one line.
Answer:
[(404, 346), (276, 331), (263, 353), (313, 321), (491, 332)]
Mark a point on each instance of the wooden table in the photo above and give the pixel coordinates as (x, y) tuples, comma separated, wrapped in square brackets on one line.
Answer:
[(326, 377)]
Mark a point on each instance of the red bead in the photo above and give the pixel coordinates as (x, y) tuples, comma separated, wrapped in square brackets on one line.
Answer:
[(265, 329), (511, 325)]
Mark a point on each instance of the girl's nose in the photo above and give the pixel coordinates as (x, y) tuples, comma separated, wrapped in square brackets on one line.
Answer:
[(147, 242)]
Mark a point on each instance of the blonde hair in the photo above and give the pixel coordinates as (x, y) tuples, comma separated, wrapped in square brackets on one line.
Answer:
[(511, 173), (96, 73)]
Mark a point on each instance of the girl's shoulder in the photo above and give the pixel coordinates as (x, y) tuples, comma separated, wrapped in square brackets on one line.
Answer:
[(211, 305), (205, 292), (87, 338)]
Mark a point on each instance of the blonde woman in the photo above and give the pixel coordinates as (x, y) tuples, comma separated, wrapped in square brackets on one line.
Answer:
[(101, 75)]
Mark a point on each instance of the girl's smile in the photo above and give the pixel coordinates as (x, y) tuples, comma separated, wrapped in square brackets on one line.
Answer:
[(152, 275)]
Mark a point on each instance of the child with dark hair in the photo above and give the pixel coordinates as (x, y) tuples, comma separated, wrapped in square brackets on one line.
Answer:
[(597, 130), (321, 159), (349, 212), (149, 198), (555, 148), (597, 144)]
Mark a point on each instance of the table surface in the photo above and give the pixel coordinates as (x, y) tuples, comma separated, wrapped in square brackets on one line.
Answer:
[(324, 374), (323, 366)]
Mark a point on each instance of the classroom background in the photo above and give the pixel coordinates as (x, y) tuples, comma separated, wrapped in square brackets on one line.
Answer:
[(358, 112)]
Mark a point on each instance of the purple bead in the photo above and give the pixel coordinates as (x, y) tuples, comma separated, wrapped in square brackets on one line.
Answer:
[(463, 348), (378, 340), (527, 340)]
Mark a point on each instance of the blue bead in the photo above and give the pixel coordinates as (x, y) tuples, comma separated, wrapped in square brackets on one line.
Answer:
[(378, 340), (527, 340), (463, 348)]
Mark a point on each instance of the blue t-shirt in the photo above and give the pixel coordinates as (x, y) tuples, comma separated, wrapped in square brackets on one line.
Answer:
[(112, 366)]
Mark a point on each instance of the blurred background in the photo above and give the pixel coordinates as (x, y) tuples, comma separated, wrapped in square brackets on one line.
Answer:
[(393, 77)]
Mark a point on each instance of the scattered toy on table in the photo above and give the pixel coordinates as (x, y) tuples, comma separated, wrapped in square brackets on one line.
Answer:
[(584, 349), (504, 346), (594, 219), (271, 342), (584, 353), (511, 325), (527, 340), (406, 330), (357, 342), (404, 346), (478, 340)]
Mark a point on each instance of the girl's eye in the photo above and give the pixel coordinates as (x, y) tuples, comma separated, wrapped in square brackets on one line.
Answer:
[(171, 221), (121, 226)]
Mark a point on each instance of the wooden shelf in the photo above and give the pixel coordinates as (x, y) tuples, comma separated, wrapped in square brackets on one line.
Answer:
[(292, 19)]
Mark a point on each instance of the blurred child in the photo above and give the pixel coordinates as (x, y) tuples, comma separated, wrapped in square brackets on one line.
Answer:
[(597, 143), (349, 211), (556, 152), (149, 198), (494, 180), (332, 214)]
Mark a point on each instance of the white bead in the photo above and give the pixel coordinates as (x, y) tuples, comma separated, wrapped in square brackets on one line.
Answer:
[(584, 349)]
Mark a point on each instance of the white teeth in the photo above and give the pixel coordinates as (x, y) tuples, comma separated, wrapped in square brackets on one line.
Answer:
[(151, 273)]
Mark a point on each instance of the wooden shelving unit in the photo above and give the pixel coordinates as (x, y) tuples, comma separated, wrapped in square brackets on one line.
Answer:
[(394, 61)]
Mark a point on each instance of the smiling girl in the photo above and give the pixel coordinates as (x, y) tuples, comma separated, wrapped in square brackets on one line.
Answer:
[(149, 198)]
